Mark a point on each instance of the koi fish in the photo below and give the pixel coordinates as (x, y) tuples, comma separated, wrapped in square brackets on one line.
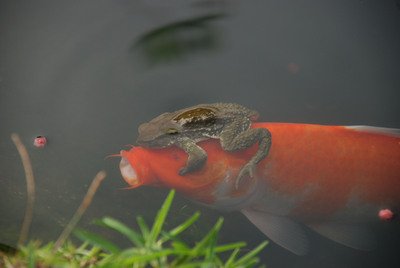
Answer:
[(333, 179)]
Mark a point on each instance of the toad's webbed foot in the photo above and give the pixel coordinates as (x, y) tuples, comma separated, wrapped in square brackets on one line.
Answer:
[(247, 171), (197, 157)]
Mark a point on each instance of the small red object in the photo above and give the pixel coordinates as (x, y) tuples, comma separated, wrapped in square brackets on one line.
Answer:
[(40, 141), (293, 68), (386, 214)]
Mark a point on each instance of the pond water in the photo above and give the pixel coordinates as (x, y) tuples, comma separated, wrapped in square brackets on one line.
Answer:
[(85, 74)]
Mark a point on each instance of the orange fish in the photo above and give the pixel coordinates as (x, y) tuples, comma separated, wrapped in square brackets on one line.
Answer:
[(333, 179)]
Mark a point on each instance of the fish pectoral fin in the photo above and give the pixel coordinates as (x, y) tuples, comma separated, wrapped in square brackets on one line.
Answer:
[(354, 236), (282, 230)]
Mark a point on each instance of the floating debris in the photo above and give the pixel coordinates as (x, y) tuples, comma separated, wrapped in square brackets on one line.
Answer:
[(386, 214), (40, 141)]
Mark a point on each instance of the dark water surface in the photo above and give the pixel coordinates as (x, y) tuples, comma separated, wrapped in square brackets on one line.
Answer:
[(86, 73)]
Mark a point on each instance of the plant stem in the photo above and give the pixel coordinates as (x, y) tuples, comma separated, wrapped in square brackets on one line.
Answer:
[(81, 210), (30, 187)]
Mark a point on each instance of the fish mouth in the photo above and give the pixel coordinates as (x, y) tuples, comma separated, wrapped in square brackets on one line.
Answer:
[(129, 173)]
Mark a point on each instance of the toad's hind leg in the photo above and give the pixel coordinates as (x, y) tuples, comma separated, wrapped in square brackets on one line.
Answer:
[(196, 156), (238, 136)]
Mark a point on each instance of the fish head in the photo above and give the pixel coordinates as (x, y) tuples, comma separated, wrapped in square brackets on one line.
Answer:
[(160, 167)]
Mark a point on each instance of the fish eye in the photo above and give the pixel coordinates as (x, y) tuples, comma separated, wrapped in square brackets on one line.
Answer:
[(172, 131)]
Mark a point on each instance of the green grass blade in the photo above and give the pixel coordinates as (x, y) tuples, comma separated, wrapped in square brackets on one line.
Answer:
[(186, 224), (229, 247), (160, 218), (199, 264), (211, 234), (253, 262), (118, 226), (171, 235), (210, 250), (180, 246), (31, 256), (96, 240), (205, 248), (183, 250), (231, 259), (148, 256), (82, 247), (244, 260), (143, 227)]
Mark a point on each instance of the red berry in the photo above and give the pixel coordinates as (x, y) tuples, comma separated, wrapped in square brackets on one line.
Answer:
[(40, 141)]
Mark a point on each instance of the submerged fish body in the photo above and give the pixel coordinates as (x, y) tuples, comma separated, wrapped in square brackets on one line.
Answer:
[(333, 179)]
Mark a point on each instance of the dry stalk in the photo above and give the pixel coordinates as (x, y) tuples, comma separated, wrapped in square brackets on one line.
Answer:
[(81, 210), (30, 187)]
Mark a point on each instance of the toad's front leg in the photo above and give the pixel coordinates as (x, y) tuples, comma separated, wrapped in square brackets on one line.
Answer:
[(196, 155), (238, 136)]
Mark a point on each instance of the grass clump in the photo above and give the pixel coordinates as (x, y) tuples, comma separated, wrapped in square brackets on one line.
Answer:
[(152, 246)]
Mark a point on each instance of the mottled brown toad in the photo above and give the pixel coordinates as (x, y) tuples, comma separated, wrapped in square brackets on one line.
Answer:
[(228, 122)]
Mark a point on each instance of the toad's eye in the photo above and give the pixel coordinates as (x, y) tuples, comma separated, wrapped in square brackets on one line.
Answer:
[(172, 131)]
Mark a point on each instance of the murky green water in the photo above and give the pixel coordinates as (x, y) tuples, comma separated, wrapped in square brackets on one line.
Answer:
[(86, 74)]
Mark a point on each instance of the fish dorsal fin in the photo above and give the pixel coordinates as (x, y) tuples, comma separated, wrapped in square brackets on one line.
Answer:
[(394, 132), (281, 230), (353, 236)]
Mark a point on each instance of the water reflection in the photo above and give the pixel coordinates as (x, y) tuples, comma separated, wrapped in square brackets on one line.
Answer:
[(177, 40)]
